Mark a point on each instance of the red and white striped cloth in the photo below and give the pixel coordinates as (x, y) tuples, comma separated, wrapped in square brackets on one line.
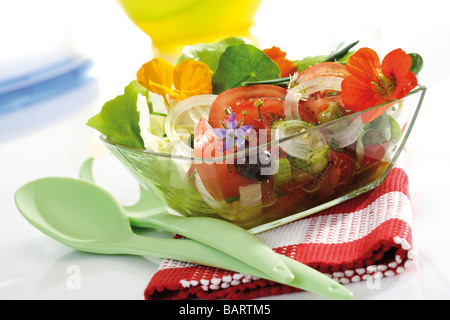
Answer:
[(361, 239)]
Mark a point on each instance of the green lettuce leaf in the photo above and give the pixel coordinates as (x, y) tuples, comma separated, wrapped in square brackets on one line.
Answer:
[(338, 55), (119, 118), (243, 63), (311, 61), (307, 62), (209, 53)]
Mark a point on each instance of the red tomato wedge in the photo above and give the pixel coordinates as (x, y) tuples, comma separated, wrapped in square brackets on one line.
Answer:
[(257, 105), (338, 173), (324, 69), (317, 102)]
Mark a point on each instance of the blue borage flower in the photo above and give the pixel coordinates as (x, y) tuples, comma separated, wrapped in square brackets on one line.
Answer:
[(233, 133)]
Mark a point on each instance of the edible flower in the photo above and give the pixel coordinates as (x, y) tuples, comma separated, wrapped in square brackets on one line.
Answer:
[(234, 134), (287, 67), (371, 82), (188, 78)]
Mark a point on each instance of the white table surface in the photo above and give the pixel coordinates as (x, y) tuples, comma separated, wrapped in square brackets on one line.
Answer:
[(51, 139)]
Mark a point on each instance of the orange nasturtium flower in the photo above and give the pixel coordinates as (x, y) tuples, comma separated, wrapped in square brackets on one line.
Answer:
[(371, 82), (188, 78), (287, 67)]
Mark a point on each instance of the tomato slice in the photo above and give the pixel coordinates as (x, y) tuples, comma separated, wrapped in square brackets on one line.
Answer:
[(338, 173), (244, 102), (343, 168), (318, 102), (260, 113), (324, 69), (374, 153), (310, 109)]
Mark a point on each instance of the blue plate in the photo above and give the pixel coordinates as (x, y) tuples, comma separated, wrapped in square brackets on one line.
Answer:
[(38, 99), (42, 84)]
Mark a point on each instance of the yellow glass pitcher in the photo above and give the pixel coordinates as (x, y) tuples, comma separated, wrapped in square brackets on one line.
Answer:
[(171, 24)]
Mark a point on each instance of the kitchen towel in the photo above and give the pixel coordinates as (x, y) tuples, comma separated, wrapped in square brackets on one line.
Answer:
[(363, 239)]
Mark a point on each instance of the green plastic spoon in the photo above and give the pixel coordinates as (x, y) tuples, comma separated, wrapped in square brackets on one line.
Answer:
[(150, 212), (87, 218)]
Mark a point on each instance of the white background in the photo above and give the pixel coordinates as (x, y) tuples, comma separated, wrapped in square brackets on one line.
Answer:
[(32, 33)]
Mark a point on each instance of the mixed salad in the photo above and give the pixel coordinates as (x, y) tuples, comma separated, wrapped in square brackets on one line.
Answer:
[(259, 129)]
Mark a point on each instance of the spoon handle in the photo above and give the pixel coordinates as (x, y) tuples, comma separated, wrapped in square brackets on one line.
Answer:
[(222, 235), (305, 278), (225, 237)]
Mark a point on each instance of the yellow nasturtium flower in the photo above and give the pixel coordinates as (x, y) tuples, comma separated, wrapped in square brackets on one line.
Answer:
[(188, 78)]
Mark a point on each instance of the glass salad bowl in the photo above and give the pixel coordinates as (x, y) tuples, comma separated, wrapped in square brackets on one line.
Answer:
[(300, 170)]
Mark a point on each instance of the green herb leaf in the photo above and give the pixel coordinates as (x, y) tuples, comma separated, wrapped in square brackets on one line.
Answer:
[(119, 119), (243, 63), (417, 63), (340, 56), (282, 82), (337, 55), (232, 199), (209, 53)]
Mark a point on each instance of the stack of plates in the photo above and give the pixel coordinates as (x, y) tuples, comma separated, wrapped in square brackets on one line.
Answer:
[(37, 98), (41, 84)]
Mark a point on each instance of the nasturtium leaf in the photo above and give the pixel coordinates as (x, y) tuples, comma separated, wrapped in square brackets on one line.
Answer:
[(243, 63), (119, 118)]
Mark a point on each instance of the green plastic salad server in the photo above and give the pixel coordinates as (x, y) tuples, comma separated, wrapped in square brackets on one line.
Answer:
[(150, 212), (87, 218)]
